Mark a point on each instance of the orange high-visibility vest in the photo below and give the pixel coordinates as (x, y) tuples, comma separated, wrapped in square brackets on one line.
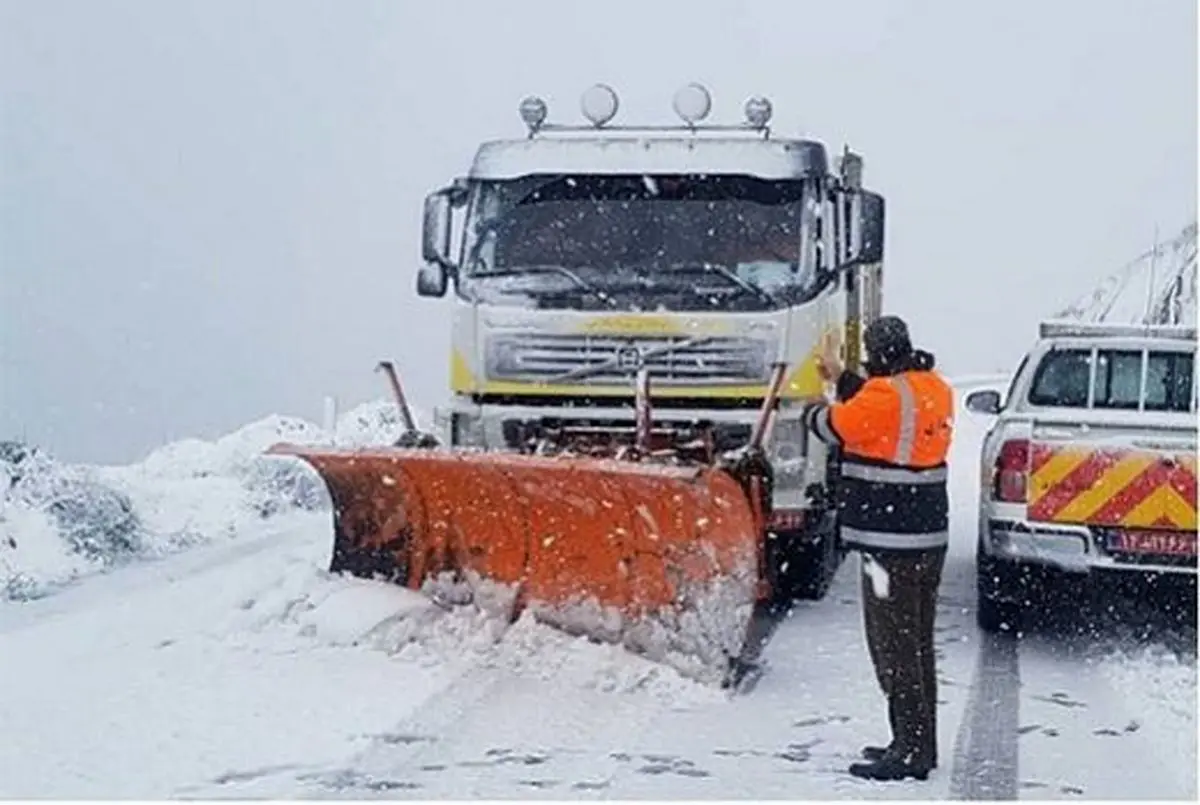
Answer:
[(904, 420), (894, 433)]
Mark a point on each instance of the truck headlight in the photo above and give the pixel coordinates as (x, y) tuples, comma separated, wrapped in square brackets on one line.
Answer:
[(788, 459), (787, 440), (502, 358)]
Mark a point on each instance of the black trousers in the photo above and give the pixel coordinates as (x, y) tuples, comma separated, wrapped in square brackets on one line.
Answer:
[(899, 630)]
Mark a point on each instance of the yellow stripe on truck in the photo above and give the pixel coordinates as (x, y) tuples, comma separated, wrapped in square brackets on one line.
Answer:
[(1163, 502), (462, 379), (642, 324), (1114, 487), (1084, 505), (803, 383), (1062, 464), (516, 388)]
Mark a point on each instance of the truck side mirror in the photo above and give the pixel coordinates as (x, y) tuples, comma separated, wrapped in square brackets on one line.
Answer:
[(870, 209), (433, 277), (432, 280), (435, 241)]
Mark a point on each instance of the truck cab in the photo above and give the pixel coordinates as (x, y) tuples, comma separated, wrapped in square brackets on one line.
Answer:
[(1090, 466), (577, 256)]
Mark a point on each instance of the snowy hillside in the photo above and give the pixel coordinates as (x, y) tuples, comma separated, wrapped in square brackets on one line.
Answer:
[(222, 660), (1164, 276), (59, 522)]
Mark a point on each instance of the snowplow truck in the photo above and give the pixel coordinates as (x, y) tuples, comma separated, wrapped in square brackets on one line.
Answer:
[(637, 315)]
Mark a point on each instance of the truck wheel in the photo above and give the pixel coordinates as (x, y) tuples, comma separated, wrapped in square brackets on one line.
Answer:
[(818, 563), (802, 566)]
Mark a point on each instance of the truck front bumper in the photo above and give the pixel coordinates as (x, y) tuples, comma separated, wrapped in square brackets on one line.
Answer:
[(494, 426), (500, 427)]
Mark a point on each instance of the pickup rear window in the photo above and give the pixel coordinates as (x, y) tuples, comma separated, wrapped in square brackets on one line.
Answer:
[(1114, 377)]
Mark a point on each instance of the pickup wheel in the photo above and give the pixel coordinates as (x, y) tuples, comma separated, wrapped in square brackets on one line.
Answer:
[(992, 614)]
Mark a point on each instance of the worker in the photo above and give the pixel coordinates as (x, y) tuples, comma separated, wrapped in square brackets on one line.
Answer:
[(893, 430)]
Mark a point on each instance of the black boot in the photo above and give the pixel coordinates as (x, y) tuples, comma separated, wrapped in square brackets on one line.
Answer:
[(876, 753), (891, 766)]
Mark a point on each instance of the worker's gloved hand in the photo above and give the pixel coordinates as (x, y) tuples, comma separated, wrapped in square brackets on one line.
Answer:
[(416, 439), (829, 361)]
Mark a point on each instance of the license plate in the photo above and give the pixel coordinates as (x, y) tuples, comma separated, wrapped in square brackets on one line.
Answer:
[(1162, 543)]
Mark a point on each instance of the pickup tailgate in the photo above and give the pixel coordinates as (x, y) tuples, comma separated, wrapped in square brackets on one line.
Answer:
[(1137, 484)]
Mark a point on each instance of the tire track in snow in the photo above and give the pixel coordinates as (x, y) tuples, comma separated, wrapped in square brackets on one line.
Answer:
[(986, 749)]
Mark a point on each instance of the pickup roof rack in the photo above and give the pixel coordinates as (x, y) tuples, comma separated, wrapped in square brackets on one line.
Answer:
[(1080, 329)]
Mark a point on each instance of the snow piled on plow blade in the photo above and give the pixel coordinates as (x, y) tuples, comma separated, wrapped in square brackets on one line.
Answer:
[(443, 630), (696, 638)]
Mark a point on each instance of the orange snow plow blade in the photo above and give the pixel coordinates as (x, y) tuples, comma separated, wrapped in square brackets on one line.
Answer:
[(662, 559)]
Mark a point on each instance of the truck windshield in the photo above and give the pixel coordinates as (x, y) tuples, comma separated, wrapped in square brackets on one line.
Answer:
[(640, 242)]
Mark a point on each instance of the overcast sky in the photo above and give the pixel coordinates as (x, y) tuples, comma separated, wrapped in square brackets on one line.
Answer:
[(210, 211)]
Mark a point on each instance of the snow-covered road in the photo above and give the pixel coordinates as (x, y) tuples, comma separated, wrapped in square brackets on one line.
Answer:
[(241, 669)]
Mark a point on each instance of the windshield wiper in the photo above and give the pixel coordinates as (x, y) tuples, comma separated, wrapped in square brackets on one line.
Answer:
[(552, 269), (725, 273)]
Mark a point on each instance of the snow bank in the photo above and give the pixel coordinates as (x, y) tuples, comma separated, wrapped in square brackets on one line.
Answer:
[(56, 520), (304, 600), (1165, 275), (59, 522), (32, 551)]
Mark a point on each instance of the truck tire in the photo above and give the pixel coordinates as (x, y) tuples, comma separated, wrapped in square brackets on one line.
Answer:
[(802, 565)]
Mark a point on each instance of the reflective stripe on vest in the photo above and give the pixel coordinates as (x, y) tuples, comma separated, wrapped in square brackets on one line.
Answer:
[(903, 419), (908, 420), (889, 541), (824, 428), (894, 475)]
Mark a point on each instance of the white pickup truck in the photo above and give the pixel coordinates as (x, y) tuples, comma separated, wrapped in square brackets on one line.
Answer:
[(1090, 465)]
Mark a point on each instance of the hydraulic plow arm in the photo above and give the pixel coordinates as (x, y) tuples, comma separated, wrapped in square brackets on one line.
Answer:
[(411, 437)]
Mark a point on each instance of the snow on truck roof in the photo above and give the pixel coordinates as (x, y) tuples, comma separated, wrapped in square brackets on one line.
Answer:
[(678, 153)]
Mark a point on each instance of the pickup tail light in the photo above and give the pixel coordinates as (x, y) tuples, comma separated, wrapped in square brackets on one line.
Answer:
[(1011, 479)]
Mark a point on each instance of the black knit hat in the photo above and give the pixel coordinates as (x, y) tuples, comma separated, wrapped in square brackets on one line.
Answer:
[(886, 341)]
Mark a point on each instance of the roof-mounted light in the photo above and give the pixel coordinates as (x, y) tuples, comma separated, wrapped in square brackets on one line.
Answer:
[(599, 104), (758, 112), (533, 112), (692, 103)]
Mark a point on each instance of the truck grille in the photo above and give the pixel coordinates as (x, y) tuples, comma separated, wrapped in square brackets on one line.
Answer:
[(607, 360)]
